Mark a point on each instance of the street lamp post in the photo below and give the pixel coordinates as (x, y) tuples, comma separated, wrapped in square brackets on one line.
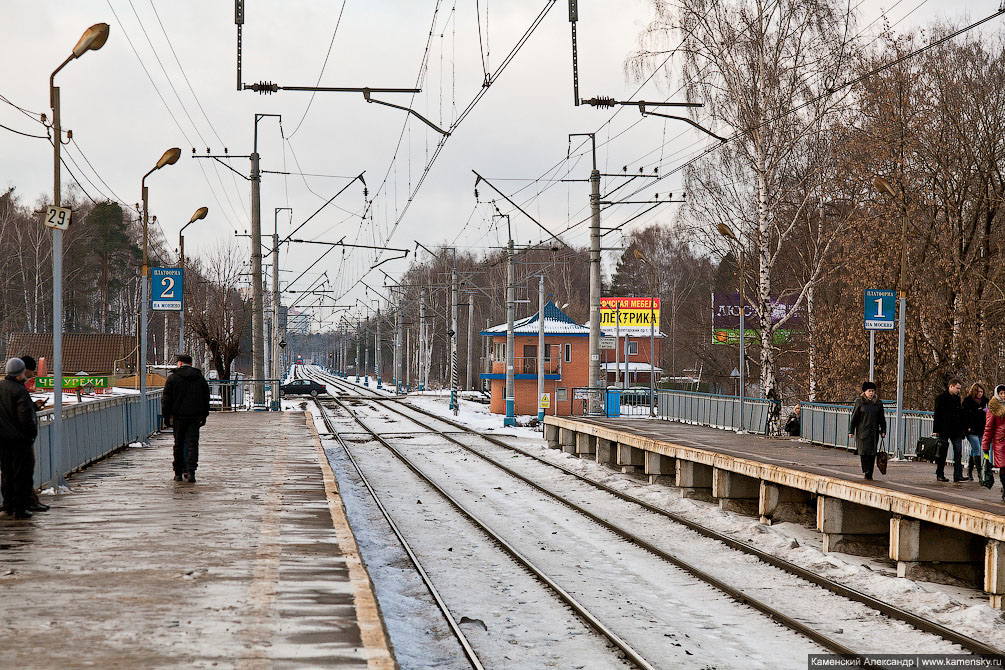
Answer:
[(727, 232), (652, 331), (199, 214), (170, 157), (276, 334), (93, 39), (883, 186)]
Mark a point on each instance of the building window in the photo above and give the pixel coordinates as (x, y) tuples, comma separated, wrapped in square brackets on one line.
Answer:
[(499, 351), (561, 395), (633, 348), (568, 353)]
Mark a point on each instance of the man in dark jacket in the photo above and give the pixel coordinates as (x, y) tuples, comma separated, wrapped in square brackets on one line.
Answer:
[(17, 435), (948, 426), (185, 406)]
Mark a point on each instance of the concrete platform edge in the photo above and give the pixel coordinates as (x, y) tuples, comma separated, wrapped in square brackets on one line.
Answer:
[(373, 632)]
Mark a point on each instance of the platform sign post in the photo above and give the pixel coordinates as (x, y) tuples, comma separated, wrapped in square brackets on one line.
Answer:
[(167, 292), (880, 308)]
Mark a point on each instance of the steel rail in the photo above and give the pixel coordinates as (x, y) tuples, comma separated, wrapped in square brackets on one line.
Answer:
[(892, 611), (735, 593), (517, 556), (469, 652)]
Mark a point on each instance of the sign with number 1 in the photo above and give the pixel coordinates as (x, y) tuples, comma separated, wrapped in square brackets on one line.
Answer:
[(166, 290), (880, 306)]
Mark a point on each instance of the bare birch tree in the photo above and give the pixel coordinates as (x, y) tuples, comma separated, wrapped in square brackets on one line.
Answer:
[(763, 71)]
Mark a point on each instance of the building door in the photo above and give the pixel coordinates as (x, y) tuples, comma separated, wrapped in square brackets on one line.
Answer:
[(530, 359)]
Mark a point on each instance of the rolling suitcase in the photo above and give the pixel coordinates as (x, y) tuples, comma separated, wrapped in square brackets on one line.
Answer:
[(927, 449)]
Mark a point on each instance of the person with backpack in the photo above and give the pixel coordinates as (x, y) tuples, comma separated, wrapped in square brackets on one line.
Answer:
[(993, 444), (975, 408), (867, 426), (947, 425)]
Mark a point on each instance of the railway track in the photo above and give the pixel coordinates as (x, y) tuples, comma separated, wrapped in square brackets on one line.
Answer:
[(891, 611), (629, 653)]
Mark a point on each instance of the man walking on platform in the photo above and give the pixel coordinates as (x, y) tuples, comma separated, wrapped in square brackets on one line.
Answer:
[(17, 435), (185, 406), (948, 427)]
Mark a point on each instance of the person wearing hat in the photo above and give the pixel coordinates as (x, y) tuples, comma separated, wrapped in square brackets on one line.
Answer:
[(185, 406), (867, 426), (17, 435), (30, 372)]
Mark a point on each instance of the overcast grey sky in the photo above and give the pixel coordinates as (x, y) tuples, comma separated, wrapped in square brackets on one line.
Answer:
[(130, 101)]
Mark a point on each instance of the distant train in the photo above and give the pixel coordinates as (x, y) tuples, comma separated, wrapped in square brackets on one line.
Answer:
[(300, 359)]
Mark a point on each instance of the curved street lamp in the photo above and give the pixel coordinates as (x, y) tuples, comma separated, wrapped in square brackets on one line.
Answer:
[(93, 39), (883, 186), (169, 157), (199, 214), (728, 233)]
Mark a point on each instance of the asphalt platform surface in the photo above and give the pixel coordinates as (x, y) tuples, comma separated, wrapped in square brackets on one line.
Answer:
[(253, 566)]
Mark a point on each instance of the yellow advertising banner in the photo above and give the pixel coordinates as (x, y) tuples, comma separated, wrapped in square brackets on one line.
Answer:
[(631, 314)]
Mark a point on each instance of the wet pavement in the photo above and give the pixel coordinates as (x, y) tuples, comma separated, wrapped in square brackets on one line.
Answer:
[(253, 566)]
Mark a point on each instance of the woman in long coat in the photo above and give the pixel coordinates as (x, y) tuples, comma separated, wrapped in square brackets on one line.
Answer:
[(993, 443), (867, 426)]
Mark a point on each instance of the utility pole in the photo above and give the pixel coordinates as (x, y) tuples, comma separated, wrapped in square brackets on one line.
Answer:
[(366, 360), (376, 349), (397, 350), (540, 352), (408, 359), (257, 303), (595, 278), (359, 351), (471, 341), (454, 400), (510, 419), (277, 361), (422, 339)]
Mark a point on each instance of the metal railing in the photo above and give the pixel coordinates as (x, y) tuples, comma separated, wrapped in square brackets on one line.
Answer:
[(238, 394), (92, 430), (827, 424), (699, 409)]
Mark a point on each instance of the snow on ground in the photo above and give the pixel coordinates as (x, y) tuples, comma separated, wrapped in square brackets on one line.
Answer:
[(962, 608), (473, 414), (510, 619)]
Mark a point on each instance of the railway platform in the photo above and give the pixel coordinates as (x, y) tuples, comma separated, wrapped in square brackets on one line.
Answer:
[(905, 514), (252, 566)]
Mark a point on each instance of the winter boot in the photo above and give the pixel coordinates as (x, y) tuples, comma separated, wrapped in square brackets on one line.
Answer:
[(970, 470)]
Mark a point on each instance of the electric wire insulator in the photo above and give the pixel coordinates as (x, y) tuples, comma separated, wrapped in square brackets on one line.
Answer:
[(600, 101), (265, 87)]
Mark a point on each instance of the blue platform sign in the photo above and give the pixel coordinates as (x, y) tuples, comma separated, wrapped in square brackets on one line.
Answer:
[(166, 291), (880, 309)]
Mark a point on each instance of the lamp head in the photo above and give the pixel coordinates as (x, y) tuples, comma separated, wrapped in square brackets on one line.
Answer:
[(93, 39), (725, 231), (170, 157), (883, 186), (639, 255), (199, 214)]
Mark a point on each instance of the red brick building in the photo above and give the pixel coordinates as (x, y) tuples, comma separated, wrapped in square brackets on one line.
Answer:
[(566, 362)]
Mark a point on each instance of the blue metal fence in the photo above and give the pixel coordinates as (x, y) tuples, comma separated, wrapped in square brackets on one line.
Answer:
[(699, 409), (827, 424), (92, 430)]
